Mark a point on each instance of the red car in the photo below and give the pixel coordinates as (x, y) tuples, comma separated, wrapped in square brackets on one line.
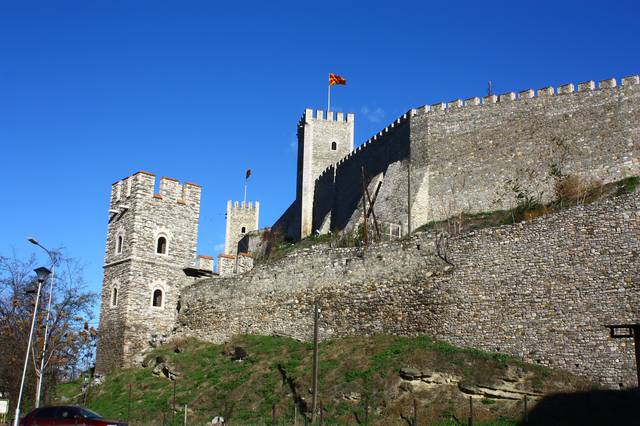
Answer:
[(66, 416)]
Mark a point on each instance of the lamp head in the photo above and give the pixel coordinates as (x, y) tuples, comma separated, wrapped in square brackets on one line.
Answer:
[(32, 240), (32, 288), (43, 273)]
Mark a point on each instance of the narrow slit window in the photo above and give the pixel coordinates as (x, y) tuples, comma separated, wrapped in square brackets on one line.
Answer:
[(243, 230), (114, 297), (161, 247), (334, 146), (157, 298), (119, 244)]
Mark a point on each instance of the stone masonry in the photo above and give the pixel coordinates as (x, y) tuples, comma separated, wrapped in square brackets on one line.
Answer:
[(541, 290), (465, 156), (150, 239), (322, 141), (242, 218)]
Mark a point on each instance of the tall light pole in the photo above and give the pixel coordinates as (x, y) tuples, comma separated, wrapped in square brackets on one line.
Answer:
[(40, 372), (43, 273)]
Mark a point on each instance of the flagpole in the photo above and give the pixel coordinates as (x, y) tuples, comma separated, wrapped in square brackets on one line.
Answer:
[(245, 190), (328, 99)]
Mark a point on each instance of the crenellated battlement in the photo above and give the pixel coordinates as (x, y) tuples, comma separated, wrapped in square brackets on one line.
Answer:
[(331, 170), (243, 205), (242, 218), (142, 184), (322, 115), (457, 104), (561, 90), (204, 262), (378, 137)]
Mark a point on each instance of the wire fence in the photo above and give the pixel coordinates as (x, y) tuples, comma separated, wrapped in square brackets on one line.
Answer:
[(297, 414)]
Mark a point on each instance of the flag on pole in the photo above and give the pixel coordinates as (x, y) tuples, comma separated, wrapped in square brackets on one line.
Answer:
[(336, 79), (333, 80), (246, 176)]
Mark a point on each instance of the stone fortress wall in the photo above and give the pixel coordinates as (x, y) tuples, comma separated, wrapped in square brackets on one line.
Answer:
[(469, 148), (457, 157), (541, 290), (463, 153)]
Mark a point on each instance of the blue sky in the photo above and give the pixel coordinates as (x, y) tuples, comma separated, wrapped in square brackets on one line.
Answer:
[(91, 92)]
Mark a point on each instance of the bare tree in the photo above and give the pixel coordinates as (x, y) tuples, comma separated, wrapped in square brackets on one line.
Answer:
[(71, 339), (442, 246)]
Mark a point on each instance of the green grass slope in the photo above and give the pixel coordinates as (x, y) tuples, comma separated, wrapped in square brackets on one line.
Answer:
[(358, 379)]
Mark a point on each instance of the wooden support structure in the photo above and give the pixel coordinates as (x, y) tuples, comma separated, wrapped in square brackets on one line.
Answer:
[(364, 207), (623, 331), (369, 212)]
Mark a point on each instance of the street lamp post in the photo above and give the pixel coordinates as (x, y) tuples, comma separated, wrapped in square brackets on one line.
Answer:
[(43, 273), (40, 372)]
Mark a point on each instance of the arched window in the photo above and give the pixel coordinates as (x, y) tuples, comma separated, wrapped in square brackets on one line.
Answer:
[(243, 230), (334, 146), (161, 247), (114, 297), (119, 244), (157, 298)]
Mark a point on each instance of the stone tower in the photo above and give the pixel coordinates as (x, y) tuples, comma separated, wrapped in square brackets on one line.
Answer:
[(322, 141), (150, 239), (241, 218)]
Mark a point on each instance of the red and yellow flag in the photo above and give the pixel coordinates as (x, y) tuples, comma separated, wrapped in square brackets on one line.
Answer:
[(247, 174), (336, 79)]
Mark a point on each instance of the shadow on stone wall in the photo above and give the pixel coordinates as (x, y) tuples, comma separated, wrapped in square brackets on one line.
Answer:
[(601, 407)]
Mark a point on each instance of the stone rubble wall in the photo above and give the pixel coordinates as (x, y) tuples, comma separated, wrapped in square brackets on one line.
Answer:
[(464, 154), (323, 201), (226, 265), (542, 290), (383, 159)]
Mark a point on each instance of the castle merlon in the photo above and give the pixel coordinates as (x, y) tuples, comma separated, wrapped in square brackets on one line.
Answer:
[(331, 169), (525, 94), (204, 262), (506, 97), (321, 115), (585, 86), (243, 205), (475, 101), (633, 79), (378, 137), (142, 184), (563, 89)]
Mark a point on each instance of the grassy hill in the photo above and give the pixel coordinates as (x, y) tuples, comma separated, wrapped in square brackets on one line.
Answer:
[(378, 380)]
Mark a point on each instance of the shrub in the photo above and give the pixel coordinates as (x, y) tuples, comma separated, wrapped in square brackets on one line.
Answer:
[(570, 187)]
